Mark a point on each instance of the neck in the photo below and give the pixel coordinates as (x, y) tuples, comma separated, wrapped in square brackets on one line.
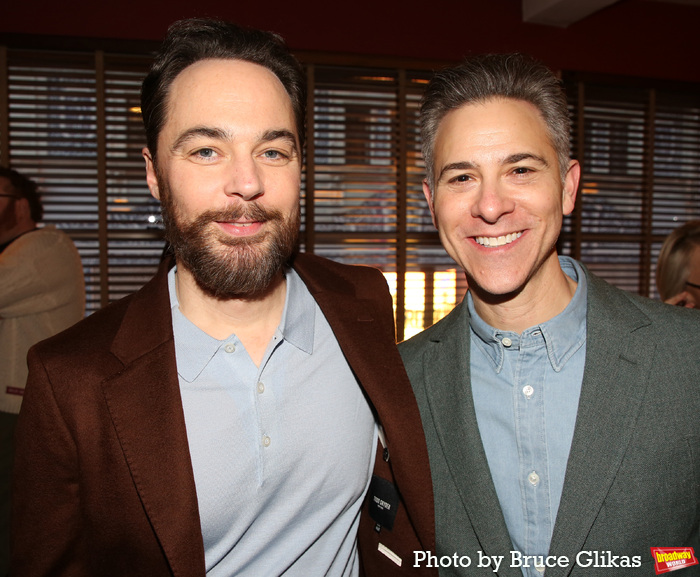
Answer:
[(539, 301), (253, 320)]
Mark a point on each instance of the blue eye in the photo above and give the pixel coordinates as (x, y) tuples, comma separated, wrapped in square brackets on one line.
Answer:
[(205, 153)]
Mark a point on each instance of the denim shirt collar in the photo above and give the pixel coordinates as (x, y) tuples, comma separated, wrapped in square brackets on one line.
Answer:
[(563, 334)]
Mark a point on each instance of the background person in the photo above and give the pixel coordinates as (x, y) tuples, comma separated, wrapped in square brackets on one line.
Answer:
[(678, 267), (41, 293)]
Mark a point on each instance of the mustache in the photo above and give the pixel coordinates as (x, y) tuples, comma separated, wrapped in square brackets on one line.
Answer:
[(251, 211)]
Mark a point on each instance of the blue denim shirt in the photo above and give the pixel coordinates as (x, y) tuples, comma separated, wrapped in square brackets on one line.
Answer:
[(526, 390)]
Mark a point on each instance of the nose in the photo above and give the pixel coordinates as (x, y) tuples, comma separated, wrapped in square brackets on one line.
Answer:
[(244, 179), (492, 202)]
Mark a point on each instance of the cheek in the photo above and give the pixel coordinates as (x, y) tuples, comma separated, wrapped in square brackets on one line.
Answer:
[(451, 210)]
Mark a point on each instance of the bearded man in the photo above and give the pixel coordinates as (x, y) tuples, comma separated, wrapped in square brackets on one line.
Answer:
[(225, 419)]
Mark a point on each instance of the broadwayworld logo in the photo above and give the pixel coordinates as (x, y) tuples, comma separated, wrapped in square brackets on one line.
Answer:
[(672, 558)]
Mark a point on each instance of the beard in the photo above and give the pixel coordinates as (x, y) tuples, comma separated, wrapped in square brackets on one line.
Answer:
[(227, 267)]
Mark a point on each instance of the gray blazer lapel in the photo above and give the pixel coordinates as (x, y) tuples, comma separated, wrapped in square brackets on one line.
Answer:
[(446, 365), (614, 384)]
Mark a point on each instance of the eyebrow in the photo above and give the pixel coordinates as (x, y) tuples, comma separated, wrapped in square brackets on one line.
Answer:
[(456, 166), (512, 159), (283, 134), (224, 135)]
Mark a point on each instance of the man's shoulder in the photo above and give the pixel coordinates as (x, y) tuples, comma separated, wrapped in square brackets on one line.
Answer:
[(91, 333), (330, 274), (47, 237), (661, 317), (444, 328), (307, 261), (97, 332)]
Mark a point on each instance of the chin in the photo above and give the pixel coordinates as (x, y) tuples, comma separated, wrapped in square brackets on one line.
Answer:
[(501, 291)]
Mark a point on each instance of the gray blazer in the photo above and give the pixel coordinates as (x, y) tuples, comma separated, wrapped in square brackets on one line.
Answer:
[(633, 474)]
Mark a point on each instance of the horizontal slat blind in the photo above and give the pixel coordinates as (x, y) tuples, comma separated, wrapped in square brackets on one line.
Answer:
[(641, 162), (73, 124), (53, 140), (355, 142), (135, 240)]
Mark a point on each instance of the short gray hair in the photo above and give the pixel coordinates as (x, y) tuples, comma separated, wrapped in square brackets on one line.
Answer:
[(483, 78)]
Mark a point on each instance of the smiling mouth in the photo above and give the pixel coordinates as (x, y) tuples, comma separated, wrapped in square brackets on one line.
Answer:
[(497, 240)]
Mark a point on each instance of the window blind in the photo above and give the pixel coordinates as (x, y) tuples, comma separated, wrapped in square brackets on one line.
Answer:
[(639, 147)]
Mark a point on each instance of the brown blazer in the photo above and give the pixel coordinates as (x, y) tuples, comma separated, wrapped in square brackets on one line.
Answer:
[(103, 481)]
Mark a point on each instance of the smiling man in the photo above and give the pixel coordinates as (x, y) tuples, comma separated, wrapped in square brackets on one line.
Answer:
[(561, 414), (224, 420)]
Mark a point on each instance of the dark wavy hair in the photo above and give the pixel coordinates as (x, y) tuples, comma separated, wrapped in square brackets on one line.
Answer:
[(195, 39)]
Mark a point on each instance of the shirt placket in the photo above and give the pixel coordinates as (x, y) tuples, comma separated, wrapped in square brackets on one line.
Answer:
[(528, 398)]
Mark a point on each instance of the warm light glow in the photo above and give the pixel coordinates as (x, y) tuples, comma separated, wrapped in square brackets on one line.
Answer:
[(376, 78), (444, 296), (444, 293), (135, 109), (589, 188), (335, 194)]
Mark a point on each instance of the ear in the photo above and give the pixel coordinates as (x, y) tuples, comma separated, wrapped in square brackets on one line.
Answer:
[(431, 204), (571, 180), (151, 175)]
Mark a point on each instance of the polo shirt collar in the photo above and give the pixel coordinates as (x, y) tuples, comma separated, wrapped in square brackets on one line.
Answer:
[(194, 348)]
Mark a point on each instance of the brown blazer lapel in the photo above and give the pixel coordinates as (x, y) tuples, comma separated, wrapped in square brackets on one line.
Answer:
[(363, 324), (145, 405)]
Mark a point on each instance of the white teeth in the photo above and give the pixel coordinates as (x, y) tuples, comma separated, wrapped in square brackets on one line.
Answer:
[(498, 241)]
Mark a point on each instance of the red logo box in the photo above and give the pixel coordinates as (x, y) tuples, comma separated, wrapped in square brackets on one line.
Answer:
[(672, 558)]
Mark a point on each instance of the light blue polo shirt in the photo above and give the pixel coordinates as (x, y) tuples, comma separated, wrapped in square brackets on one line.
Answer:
[(282, 453)]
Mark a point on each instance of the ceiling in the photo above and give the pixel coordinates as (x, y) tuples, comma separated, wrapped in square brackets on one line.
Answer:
[(562, 13)]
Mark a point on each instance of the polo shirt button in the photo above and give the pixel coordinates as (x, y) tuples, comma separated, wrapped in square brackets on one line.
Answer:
[(266, 441), (534, 478), (229, 348), (261, 388), (506, 342), (528, 391)]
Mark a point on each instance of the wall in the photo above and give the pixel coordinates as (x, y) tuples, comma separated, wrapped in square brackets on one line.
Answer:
[(632, 37)]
